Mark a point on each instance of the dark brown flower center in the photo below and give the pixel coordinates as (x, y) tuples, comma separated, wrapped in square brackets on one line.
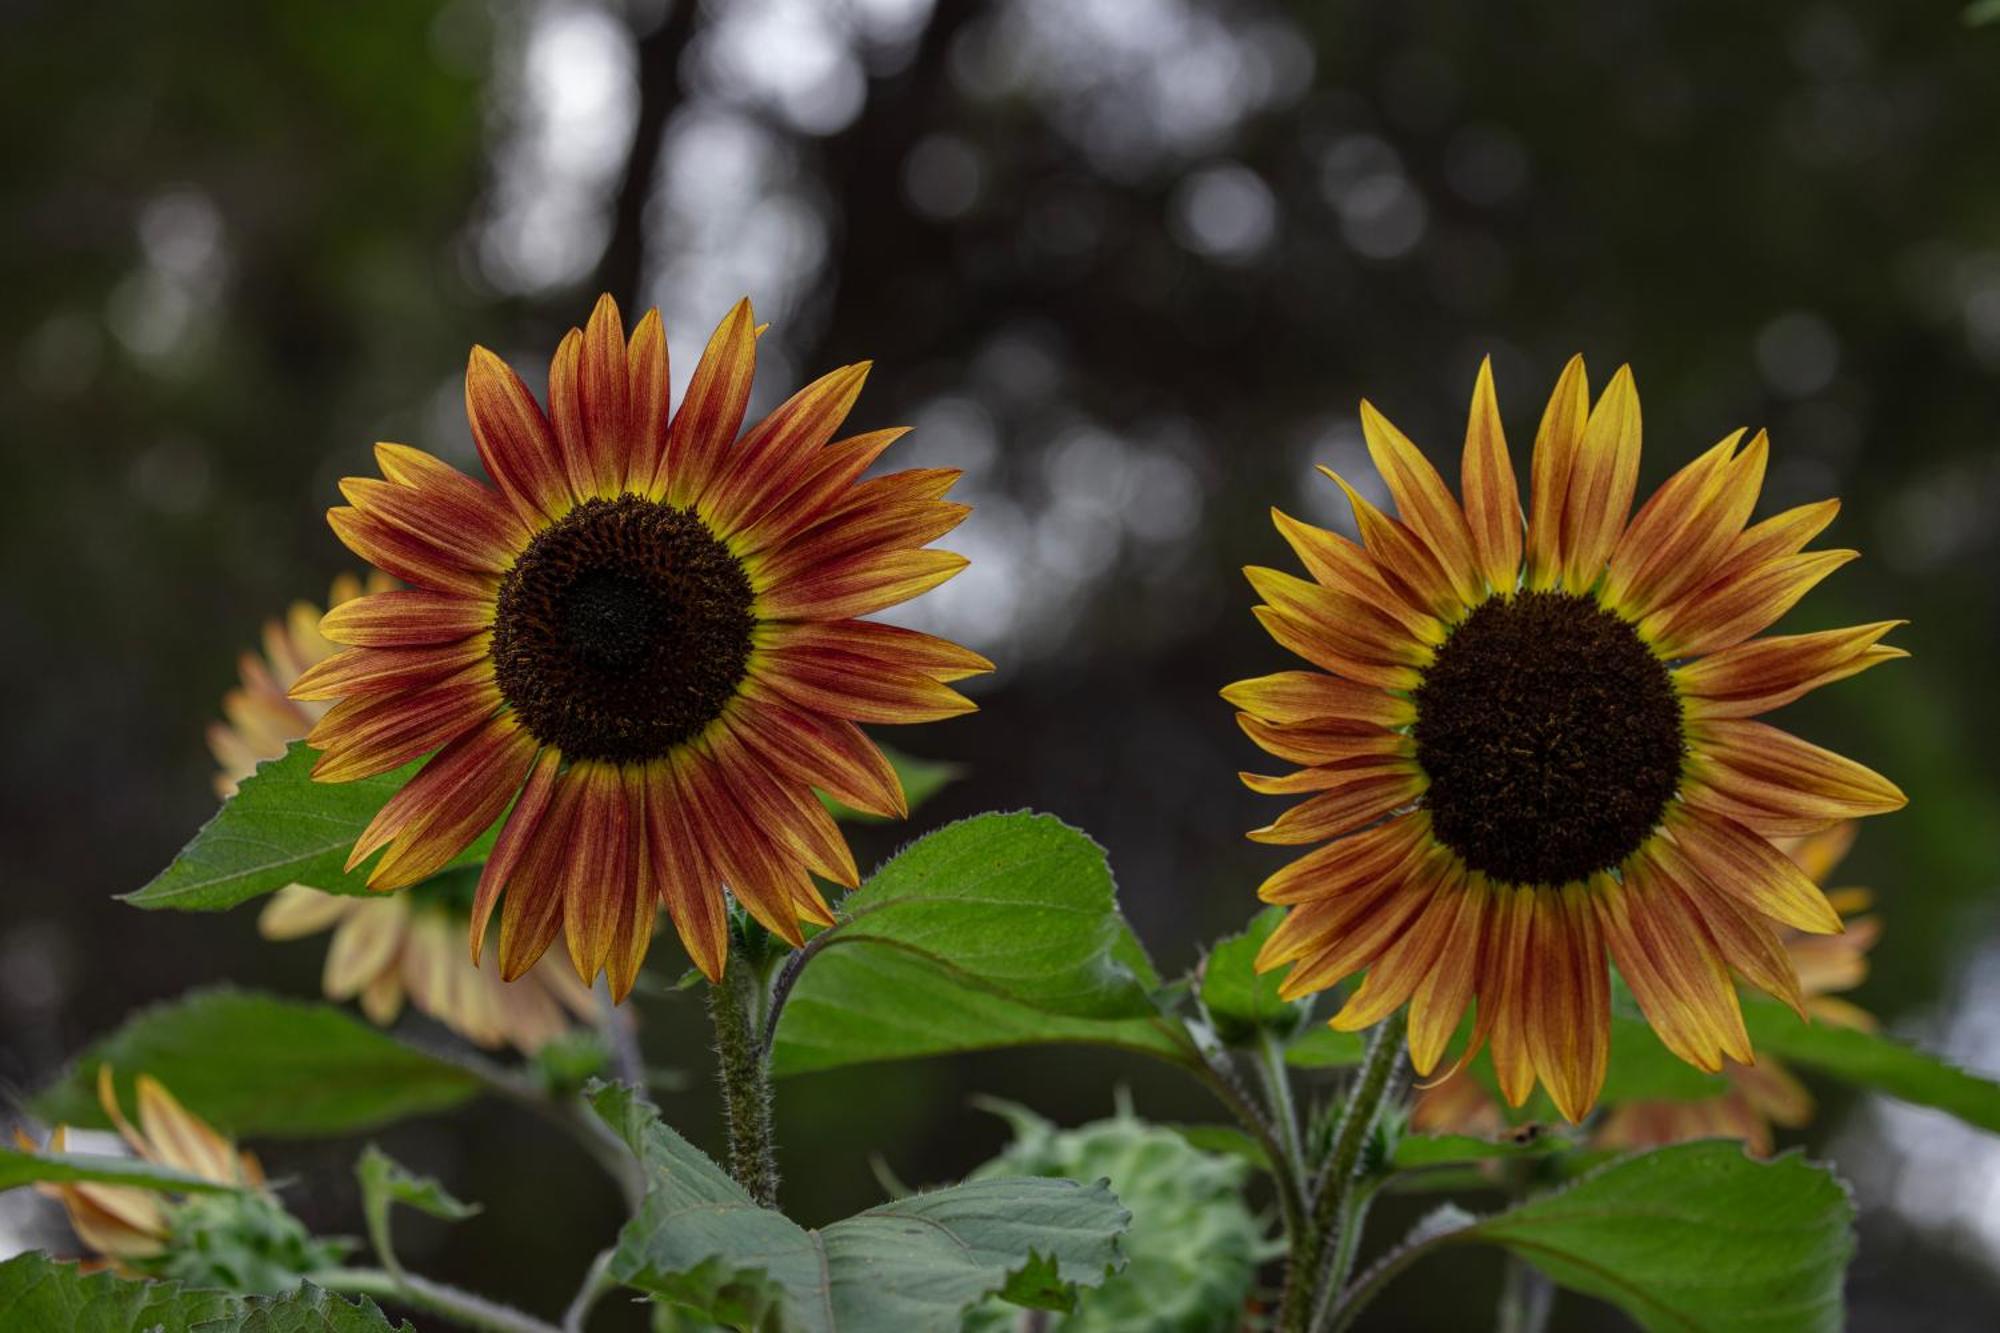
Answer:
[(1551, 736), (622, 630)]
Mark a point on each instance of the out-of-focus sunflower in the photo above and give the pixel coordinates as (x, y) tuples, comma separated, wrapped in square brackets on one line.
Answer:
[(1525, 749), (645, 637), (383, 949), (127, 1225), (259, 717), (1764, 1095), (412, 946)]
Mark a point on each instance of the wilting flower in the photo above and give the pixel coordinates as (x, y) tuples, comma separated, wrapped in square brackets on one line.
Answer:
[(646, 640), (412, 945), (1766, 1094), (384, 949), (1525, 749), (128, 1225), (260, 717)]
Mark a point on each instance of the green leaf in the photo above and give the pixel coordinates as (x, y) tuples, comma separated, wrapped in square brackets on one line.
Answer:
[(921, 778), (1697, 1236), (255, 1064), (1002, 930), (1873, 1060), (1241, 1002), (1642, 1069), (282, 828), (38, 1293), (19, 1168), (386, 1181), (913, 1264)]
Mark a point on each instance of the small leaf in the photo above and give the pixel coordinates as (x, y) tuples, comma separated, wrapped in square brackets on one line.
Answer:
[(1872, 1060), (282, 828), (1697, 1236), (257, 1064), (1240, 1001), (309, 1309), (1001, 930), (914, 1264), (19, 1168)]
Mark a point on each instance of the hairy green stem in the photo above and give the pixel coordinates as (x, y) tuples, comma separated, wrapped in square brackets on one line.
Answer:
[(595, 1283), (1216, 1075), (1278, 1091), (1309, 1285), (461, 1307), (744, 1067)]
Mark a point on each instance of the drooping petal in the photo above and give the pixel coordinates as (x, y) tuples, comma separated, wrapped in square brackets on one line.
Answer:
[(792, 818), (531, 914), (1444, 991), (355, 671), (598, 879), (371, 734), (454, 799), (365, 945), (1738, 862), (1414, 955), (411, 558), (1775, 783), (510, 850), (829, 753), (1492, 495), (689, 886), (762, 877), (1667, 958), (1742, 935), (1504, 1000), (1352, 863), (1569, 1036)]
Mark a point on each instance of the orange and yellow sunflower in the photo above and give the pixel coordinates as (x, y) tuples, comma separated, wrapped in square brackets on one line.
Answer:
[(1529, 744), (643, 643)]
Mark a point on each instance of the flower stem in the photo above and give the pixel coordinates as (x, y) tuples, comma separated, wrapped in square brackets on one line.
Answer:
[(1308, 1281), (461, 1307), (1525, 1298), (744, 1067)]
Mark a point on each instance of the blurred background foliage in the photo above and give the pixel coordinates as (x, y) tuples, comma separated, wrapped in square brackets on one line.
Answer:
[(1130, 263)]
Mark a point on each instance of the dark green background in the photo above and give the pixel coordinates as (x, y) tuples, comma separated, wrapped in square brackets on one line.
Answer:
[(243, 241)]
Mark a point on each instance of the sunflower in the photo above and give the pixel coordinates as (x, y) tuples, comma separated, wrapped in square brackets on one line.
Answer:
[(644, 637), (128, 1225), (410, 945), (1531, 743), (383, 949)]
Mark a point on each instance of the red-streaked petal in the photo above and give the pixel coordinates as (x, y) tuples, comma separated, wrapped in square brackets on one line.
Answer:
[(1352, 628), (1371, 792), (1671, 965), (892, 646), (638, 907), (434, 519), (1424, 503), (1350, 864), (1738, 862), (372, 734), (1358, 942), (711, 411), (689, 885), (410, 558), (1778, 536), (774, 456), (1492, 495), (853, 535), (469, 503), (456, 797), (1308, 640), (1731, 608), (1679, 534), (604, 397), (1339, 564), (856, 688), (1311, 745), (1569, 1033), (763, 878), (1601, 484), (790, 816), (1557, 440), (860, 587), (1444, 991), (406, 618), (829, 753), (1776, 783), (515, 441), (510, 849), (1742, 935), (597, 873), (1406, 561), (646, 371), (1414, 954), (1764, 674), (1313, 697), (532, 914), (376, 670), (827, 477)]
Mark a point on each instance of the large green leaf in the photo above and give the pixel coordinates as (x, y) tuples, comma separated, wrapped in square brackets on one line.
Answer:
[(258, 1065), (37, 1293), (913, 1265), (281, 828), (1697, 1236), (19, 1168), (1873, 1060), (1001, 930)]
